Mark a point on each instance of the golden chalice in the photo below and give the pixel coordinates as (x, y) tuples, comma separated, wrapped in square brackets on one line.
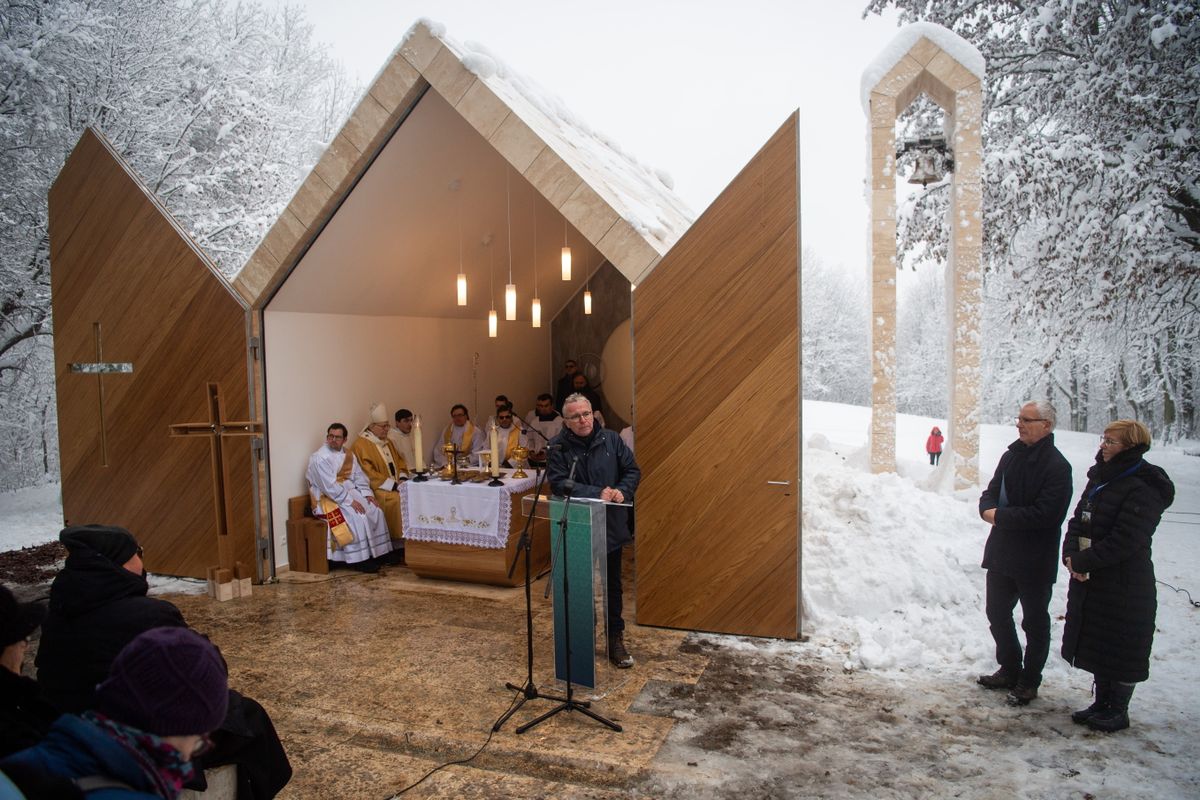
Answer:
[(447, 472), (520, 454)]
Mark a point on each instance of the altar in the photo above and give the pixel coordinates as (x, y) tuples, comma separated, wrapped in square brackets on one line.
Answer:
[(470, 531)]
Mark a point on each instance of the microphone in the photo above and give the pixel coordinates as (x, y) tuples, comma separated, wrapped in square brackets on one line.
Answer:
[(568, 486)]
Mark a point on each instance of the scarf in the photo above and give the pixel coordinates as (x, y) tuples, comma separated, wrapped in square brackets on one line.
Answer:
[(1105, 471), (162, 764)]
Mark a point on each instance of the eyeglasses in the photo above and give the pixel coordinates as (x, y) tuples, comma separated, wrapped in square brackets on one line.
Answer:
[(580, 415), (1028, 420), (1110, 442), (504, 416)]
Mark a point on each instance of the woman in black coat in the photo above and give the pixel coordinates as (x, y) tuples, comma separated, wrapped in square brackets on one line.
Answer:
[(1112, 600)]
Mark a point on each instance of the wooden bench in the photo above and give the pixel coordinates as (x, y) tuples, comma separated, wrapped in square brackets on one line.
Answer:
[(306, 538)]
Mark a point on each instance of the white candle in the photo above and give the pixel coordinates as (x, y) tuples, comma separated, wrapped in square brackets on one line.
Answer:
[(495, 452), (418, 450)]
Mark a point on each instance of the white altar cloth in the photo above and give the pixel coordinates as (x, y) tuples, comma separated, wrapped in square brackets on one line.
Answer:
[(472, 514)]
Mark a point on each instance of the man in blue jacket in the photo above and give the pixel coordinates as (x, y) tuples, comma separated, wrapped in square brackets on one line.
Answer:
[(603, 468), (1025, 503)]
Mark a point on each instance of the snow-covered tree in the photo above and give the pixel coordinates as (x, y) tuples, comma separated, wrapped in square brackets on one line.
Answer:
[(220, 107), (1092, 212), (833, 335)]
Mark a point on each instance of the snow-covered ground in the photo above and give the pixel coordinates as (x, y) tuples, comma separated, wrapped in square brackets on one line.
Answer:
[(880, 700), (895, 633)]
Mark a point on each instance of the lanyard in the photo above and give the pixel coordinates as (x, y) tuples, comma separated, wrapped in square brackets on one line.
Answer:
[(1129, 471)]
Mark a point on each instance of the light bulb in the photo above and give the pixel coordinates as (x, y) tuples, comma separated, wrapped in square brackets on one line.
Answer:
[(492, 324), (462, 288), (510, 301), (587, 302), (536, 313), (566, 263)]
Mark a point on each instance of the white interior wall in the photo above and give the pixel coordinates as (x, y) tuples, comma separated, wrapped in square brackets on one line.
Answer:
[(324, 368)]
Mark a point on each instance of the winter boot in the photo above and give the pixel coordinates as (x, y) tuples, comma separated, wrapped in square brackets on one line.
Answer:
[(1116, 716), (1002, 678), (1021, 695), (1100, 703), (617, 653)]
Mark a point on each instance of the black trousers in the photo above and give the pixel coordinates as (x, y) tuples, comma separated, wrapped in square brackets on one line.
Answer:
[(616, 623), (1003, 593), (933, 458)]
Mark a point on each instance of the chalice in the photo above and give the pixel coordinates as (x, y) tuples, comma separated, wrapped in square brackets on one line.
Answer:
[(520, 454)]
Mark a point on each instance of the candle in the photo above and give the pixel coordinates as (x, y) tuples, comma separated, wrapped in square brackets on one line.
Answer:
[(418, 450), (495, 452)]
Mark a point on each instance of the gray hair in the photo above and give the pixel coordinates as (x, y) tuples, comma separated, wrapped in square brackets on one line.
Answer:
[(576, 397), (1044, 410)]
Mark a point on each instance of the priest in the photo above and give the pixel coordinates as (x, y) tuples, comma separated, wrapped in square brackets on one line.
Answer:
[(507, 433), (341, 495), (384, 468), (462, 432)]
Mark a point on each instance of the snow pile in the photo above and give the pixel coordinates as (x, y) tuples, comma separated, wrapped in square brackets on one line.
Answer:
[(890, 571), (950, 42)]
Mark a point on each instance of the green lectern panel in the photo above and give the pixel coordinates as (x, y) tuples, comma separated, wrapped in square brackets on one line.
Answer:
[(574, 607)]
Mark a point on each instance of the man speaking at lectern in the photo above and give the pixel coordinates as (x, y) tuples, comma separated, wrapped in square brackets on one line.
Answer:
[(602, 467)]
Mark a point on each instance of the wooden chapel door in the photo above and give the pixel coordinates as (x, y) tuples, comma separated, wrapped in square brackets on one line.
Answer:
[(717, 401), (145, 330)]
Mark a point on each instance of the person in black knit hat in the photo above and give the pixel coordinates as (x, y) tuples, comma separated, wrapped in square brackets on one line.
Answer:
[(98, 604)]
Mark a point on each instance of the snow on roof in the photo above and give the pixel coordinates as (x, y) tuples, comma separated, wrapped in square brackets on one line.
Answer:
[(641, 194), (951, 43)]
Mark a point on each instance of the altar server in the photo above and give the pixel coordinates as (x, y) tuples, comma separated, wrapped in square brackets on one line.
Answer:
[(401, 436), (341, 494), (541, 425)]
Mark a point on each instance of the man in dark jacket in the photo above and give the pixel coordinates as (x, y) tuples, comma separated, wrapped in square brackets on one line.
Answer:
[(604, 468), (25, 716), (1026, 503), (98, 604)]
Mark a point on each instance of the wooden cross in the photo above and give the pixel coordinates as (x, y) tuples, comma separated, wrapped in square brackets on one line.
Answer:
[(217, 428), (100, 368)]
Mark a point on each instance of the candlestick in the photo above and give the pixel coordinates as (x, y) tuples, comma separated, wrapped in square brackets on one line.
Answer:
[(418, 450), (495, 465)]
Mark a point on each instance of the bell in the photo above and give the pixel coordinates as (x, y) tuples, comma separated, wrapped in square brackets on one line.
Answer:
[(926, 169)]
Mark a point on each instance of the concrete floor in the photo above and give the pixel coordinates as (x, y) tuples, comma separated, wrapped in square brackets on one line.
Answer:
[(373, 680)]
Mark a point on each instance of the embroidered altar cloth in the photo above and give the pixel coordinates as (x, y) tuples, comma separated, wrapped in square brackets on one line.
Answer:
[(472, 514)]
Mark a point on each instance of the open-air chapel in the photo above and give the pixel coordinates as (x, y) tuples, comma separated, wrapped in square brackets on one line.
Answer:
[(189, 403)]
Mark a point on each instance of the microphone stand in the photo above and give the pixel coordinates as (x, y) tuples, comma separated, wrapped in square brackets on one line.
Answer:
[(528, 690), (569, 703)]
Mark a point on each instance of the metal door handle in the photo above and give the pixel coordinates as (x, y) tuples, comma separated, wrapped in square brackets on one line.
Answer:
[(778, 483)]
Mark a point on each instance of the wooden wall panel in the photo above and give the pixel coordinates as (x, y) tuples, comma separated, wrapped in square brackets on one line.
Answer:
[(716, 392), (118, 260)]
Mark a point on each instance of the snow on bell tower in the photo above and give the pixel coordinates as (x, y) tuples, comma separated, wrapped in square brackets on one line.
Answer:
[(929, 59)]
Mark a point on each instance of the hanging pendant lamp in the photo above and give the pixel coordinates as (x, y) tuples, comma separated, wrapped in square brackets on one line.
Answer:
[(566, 254), (510, 288)]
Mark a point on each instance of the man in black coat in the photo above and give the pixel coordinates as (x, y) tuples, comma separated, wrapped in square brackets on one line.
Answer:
[(604, 468), (98, 604), (1025, 503), (25, 716)]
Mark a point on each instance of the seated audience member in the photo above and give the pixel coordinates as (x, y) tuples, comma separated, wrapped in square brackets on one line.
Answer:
[(565, 384), (462, 432), (98, 604), (402, 439), (384, 469), (541, 425), (508, 435), (581, 385), (25, 716), (166, 692), (342, 496)]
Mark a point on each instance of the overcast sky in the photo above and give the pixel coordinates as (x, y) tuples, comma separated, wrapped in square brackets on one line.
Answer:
[(693, 87)]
